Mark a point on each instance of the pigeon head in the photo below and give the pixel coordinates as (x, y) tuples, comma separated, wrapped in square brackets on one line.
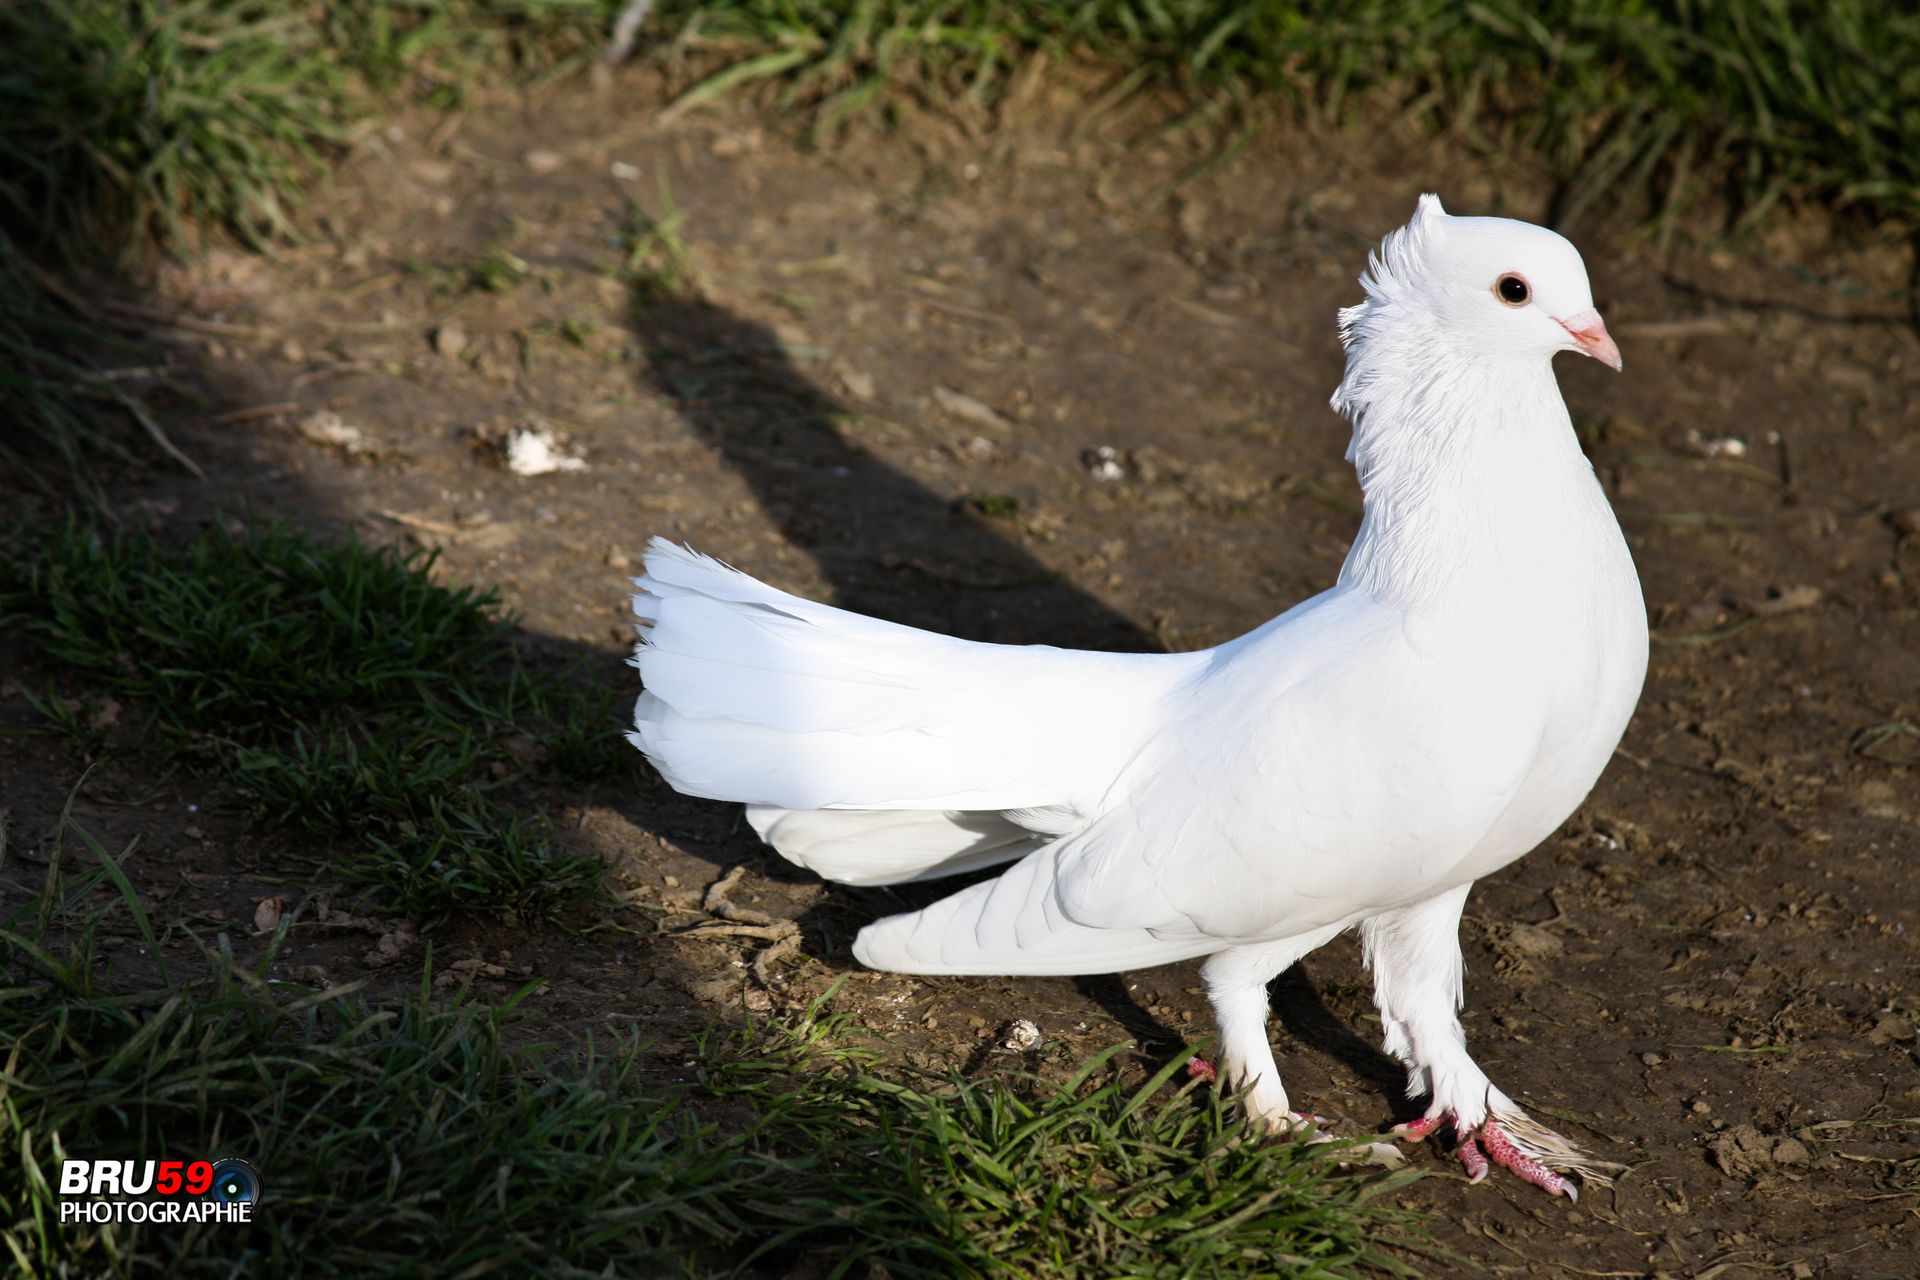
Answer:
[(1472, 290)]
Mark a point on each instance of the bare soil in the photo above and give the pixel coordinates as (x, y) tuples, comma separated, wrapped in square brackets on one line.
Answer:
[(884, 380)]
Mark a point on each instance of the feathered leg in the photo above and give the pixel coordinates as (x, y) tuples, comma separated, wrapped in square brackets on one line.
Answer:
[(1418, 983), (1237, 987)]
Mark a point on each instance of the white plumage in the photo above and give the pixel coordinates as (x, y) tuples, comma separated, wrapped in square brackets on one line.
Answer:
[(1358, 761)]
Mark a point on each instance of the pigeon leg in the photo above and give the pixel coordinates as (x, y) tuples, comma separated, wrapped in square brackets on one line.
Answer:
[(1237, 985), (1236, 982), (1418, 981)]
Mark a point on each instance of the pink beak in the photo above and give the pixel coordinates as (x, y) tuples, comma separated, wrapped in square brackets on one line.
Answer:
[(1589, 334)]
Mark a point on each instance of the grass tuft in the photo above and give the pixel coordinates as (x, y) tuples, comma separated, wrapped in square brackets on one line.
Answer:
[(245, 636), (341, 689), (143, 119), (1652, 104), (133, 124), (384, 1133), (387, 1132), (656, 263), (939, 1175)]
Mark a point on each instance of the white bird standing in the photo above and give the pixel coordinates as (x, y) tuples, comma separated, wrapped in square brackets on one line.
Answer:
[(1358, 761)]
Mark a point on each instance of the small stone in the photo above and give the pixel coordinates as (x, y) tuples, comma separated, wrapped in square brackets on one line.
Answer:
[(1741, 1151), (391, 946), (544, 161), (859, 385), (1788, 600), (193, 833), (1019, 1036), (1889, 1028), (1103, 463), (326, 427), (728, 145), (757, 1001), (1532, 940), (1651, 1059), (449, 341), (1791, 1151), (967, 409)]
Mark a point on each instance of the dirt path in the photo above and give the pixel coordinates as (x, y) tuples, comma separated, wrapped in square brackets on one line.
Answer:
[(888, 377)]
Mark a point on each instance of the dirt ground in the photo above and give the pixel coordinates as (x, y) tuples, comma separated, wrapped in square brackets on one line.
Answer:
[(886, 379)]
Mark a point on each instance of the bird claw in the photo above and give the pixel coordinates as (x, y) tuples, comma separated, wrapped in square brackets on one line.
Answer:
[(1506, 1153), (1472, 1159), (1488, 1145), (1422, 1129)]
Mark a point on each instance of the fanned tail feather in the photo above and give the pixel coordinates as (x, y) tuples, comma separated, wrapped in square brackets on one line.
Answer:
[(757, 695)]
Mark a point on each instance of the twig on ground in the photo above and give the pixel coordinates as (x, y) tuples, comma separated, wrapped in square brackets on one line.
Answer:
[(154, 432), (734, 921)]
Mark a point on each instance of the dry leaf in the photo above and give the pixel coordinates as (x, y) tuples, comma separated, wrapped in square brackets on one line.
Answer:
[(267, 913)]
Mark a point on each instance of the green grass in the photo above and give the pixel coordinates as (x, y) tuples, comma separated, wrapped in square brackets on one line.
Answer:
[(419, 1131), (341, 691), (160, 120), (1647, 104), (133, 125), (389, 1136), (131, 122), (1091, 1177), (55, 423), (656, 263)]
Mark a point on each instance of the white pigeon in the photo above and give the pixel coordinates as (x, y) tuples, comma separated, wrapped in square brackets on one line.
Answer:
[(1358, 761)]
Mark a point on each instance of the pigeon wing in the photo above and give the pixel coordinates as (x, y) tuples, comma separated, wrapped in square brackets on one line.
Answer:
[(1322, 801)]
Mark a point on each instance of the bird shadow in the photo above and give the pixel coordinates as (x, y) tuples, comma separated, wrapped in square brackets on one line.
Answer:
[(886, 543), (892, 547), (1297, 1004)]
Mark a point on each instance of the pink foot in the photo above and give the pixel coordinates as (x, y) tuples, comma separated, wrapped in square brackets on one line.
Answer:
[(1502, 1150), (1422, 1129), (1481, 1148)]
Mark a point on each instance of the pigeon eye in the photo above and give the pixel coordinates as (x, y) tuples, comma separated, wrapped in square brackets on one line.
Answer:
[(1512, 290)]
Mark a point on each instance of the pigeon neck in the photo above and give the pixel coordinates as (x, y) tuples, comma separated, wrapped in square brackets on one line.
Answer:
[(1473, 478)]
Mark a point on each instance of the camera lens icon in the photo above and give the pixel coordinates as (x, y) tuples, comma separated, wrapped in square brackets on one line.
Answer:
[(235, 1182)]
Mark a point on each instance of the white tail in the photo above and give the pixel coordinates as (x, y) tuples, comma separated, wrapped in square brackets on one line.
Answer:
[(753, 694)]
